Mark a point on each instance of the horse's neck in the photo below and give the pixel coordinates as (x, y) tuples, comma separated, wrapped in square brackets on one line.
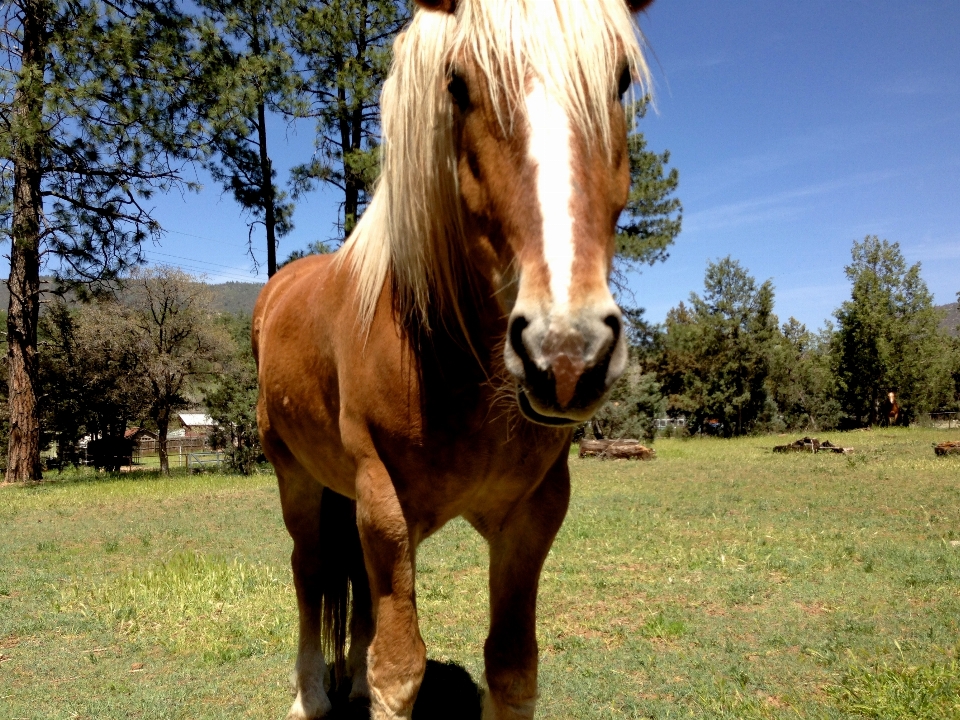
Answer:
[(459, 358), (466, 346), (459, 355)]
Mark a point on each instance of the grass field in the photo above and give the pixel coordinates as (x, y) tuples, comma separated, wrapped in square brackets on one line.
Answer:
[(719, 581)]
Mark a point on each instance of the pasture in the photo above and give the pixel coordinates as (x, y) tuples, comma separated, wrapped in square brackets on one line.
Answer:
[(719, 581)]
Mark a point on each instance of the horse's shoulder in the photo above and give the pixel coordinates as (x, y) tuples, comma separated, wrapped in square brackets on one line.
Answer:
[(296, 288)]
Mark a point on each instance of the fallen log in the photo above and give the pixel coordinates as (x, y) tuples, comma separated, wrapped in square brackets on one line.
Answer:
[(813, 445), (827, 446), (595, 448), (631, 452), (951, 447), (626, 448)]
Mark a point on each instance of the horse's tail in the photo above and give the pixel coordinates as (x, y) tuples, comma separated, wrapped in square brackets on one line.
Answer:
[(343, 559)]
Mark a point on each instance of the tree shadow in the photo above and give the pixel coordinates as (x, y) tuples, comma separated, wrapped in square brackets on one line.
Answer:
[(447, 693)]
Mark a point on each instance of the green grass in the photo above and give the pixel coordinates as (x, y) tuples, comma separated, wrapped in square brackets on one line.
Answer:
[(719, 581)]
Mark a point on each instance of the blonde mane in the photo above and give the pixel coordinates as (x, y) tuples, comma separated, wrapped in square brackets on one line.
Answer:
[(412, 230)]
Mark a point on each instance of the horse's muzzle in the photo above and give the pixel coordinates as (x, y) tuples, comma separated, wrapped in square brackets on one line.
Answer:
[(565, 366)]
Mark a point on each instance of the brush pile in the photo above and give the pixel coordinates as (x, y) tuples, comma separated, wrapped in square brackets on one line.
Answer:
[(813, 445)]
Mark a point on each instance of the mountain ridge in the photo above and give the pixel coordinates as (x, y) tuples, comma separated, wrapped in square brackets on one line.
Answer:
[(228, 297)]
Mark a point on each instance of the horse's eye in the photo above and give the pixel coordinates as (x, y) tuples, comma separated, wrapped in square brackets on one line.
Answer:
[(458, 89), (625, 81)]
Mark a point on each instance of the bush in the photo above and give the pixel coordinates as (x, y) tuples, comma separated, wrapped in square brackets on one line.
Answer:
[(633, 408), (232, 403)]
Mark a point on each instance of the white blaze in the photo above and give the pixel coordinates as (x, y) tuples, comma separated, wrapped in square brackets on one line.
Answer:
[(549, 149)]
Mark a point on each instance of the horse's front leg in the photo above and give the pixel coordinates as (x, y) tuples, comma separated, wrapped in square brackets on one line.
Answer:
[(301, 512), (397, 658), (517, 553)]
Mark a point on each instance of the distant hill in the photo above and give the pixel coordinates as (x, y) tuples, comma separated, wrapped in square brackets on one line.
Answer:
[(235, 297), (951, 323), (45, 285), (229, 297)]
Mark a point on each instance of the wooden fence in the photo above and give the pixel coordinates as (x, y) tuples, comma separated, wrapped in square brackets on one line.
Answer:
[(943, 419), (177, 449)]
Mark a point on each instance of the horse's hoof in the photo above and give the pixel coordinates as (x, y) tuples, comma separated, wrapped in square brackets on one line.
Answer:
[(314, 707), (493, 710), (359, 689)]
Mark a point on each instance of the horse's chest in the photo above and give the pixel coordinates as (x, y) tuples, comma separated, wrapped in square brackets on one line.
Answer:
[(480, 476)]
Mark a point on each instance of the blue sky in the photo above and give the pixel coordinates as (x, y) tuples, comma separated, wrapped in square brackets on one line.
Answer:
[(799, 127), (796, 128)]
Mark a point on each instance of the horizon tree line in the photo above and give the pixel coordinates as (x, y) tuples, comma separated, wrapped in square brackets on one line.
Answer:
[(135, 357), (724, 362)]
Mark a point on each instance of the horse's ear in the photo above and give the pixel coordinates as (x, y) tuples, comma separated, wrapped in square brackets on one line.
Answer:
[(447, 6), (638, 5)]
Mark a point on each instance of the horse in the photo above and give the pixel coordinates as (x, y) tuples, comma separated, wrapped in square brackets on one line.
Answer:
[(889, 410), (435, 366)]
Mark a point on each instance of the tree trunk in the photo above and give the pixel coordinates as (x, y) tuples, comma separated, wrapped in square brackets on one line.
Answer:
[(351, 191), (163, 423), (351, 204), (23, 458), (354, 183), (266, 166), (266, 171), (353, 141), (597, 430)]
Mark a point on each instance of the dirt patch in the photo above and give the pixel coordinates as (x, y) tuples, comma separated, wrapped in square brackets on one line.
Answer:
[(815, 609), (775, 702)]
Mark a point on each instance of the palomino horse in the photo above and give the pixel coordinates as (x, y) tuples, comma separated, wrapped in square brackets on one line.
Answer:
[(433, 367), (889, 411)]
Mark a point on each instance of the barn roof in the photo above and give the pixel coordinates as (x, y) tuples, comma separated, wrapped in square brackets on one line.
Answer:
[(196, 420)]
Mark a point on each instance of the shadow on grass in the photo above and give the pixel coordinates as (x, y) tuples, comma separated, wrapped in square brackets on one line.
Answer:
[(448, 692)]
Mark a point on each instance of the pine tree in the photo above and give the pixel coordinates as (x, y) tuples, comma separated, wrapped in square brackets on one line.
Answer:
[(635, 403), (652, 219), (649, 224), (714, 356), (888, 337), (802, 382), (343, 50), (94, 109), (248, 75)]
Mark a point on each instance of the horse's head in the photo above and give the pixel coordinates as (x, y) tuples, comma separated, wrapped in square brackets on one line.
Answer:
[(504, 149), (543, 171)]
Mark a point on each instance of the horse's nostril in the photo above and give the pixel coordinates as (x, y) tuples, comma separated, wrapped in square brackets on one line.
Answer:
[(517, 325), (613, 322)]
